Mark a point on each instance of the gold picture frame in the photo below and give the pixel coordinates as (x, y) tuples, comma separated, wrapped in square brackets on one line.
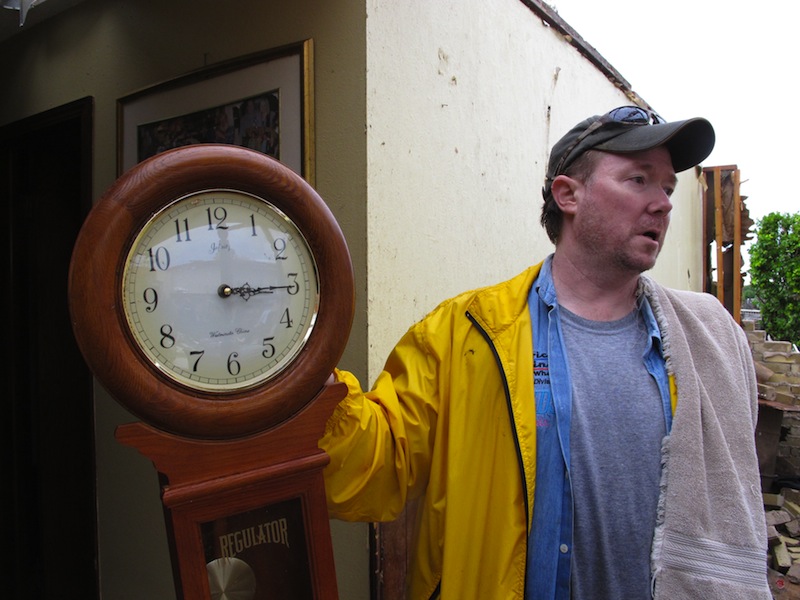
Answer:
[(262, 101)]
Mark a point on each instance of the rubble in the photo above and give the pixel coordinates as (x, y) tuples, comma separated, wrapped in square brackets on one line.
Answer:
[(777, 366), (782, 513), (778, 442), (778, 377)]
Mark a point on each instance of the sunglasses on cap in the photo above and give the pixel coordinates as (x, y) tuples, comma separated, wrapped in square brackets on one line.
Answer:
[(623, 115)]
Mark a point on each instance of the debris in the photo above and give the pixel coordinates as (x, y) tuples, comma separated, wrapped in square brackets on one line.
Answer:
[(782, 512)]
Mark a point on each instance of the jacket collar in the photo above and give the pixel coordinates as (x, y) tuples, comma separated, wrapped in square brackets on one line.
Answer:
[(498, 307)]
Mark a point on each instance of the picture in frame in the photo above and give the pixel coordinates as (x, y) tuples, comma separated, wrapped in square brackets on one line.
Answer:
[(262, 101)]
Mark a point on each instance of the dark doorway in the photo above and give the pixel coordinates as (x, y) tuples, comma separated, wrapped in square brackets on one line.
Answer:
[(48, 433)]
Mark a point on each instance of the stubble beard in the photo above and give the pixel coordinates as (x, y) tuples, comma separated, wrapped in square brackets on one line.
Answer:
[(622, 257)]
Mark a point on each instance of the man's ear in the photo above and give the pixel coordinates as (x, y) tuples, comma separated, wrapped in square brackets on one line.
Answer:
[(565, 192)]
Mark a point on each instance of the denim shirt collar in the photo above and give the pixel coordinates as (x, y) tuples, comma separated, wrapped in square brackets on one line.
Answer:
[(651, 323), (544, 285)]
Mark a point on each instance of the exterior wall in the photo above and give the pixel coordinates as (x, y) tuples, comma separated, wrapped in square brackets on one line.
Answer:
[(460, 103), (464, 101)]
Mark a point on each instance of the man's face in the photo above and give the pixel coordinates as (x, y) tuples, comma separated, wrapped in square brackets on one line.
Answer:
[(622, 214)]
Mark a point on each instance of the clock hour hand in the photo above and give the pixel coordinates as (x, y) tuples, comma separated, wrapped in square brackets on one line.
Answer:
[(247, 291)]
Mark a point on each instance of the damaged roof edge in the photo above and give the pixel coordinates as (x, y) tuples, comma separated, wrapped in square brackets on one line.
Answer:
[(554, 20)]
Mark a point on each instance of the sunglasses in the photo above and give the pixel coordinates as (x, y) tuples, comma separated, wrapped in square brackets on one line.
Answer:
[(624, 115)]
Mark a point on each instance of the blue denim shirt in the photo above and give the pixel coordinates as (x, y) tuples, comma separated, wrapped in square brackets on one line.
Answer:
[(550, 537)]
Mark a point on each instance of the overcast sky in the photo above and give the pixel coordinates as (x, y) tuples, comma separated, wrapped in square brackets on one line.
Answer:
[(733, 62)]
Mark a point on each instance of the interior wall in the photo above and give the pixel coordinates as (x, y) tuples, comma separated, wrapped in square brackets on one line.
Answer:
[(457, 144), (110, 48)]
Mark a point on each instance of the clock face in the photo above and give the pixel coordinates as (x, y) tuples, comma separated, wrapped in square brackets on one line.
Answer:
[(220, 290)]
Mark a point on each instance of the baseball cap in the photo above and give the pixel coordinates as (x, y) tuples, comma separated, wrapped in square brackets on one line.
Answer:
[(632, 129)]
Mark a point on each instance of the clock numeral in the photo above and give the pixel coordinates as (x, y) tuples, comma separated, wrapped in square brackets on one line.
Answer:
[(216, 219), (253, 226), (150, 297), (167, 341), (286, 319), (159, 260), (293, 287), (182, 234), (280, 249), (269, 349), (233, 365), (199, 355)]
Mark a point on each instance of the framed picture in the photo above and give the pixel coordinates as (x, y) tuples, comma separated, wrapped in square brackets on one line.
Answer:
[(262, 101)]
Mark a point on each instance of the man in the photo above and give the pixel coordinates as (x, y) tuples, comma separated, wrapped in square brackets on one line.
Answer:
[(578, 431)]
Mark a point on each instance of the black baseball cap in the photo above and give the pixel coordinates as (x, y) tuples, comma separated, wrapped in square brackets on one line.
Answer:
[(632, 129)]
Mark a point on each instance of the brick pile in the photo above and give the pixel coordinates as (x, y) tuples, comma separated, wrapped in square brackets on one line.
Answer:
[(778, 375)]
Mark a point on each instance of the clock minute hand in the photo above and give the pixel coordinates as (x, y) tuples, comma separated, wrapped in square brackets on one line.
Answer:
[(247, 291)]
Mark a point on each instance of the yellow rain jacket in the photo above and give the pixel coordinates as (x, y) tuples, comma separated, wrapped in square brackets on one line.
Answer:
[(451, 418)]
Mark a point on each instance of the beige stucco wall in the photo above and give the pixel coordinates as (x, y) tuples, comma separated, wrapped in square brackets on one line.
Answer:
[(433, 121), (464, 101)]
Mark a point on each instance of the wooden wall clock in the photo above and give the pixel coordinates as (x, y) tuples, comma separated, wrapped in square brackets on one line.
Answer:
[(211, 293)]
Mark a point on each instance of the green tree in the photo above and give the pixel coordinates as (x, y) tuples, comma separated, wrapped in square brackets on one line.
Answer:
[(775, 275)]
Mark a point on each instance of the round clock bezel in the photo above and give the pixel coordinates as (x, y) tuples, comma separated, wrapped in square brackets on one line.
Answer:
[(96, 302)]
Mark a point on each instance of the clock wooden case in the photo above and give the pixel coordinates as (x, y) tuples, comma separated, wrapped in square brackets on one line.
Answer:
[(211, 291)]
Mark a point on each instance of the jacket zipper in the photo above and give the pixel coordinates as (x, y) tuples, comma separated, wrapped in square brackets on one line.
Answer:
[(510, 412)]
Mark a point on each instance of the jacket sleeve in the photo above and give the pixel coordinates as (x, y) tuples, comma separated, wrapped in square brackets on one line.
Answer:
[(380, 442)]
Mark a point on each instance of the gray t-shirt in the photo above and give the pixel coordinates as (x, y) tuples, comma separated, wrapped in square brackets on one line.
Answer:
[(616, 432)]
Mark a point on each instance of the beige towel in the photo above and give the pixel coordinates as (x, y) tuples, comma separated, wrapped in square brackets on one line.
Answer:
[(710, 542)]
